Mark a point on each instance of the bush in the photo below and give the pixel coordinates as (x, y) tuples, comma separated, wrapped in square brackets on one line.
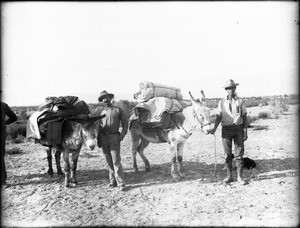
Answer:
[(264, 115), (251, 119), (256, 101), (278, 106), (126, 106), (18, 139), (16, 130), (14, 151)]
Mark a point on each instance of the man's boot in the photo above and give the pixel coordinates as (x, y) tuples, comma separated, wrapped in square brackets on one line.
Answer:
[(239, 169), (229, 178)]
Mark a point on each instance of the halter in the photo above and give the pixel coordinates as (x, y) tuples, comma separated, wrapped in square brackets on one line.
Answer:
[(199, 121), (189, 133)]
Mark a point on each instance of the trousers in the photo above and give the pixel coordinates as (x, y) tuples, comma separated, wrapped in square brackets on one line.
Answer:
[(235, 134), (3, 169), (111, 150)]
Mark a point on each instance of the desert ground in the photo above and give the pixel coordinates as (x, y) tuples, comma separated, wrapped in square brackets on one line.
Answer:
[(32, 198)]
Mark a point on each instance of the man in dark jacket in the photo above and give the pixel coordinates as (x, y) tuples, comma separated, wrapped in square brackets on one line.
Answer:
[(109, 139), (12, 117)]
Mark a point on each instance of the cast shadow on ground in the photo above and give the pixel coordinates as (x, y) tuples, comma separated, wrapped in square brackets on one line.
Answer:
[(84, 177), (160, 174), (200, 171)]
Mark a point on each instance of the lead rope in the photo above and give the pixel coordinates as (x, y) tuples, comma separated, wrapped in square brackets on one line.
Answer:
[(215, 156)]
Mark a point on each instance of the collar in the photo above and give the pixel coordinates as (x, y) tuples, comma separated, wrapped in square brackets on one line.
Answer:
[(108, 106), (235, 97)]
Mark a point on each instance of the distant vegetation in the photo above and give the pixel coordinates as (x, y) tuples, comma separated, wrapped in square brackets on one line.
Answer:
[(16, 132)]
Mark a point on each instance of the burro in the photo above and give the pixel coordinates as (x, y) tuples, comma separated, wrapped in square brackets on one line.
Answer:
[(194, 116)]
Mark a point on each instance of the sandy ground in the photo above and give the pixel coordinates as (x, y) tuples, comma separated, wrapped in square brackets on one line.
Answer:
[(32, 198)]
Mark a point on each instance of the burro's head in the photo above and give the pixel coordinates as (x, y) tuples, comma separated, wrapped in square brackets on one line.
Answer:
[(89, 132), (201, 113)]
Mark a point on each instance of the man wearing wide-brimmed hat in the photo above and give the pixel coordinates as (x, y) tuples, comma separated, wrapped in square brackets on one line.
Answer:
[(232, 114), (109, 138)]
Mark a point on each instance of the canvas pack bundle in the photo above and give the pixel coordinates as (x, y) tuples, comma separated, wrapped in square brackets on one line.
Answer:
[(157, 112), (150, 90)]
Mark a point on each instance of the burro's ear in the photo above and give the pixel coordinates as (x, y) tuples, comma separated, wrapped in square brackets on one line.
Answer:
[(95, 118), (193, 99), (202, 96)]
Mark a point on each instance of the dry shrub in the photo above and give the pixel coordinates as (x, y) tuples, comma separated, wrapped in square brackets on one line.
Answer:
[(14, 151), (264, 115), (278, 107), (250, 120), (16, 129), (18, 139)]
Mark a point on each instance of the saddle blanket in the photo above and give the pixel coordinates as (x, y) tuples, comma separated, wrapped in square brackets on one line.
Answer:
[(32, 127), (157, 106), (150, 90), (157, 112)]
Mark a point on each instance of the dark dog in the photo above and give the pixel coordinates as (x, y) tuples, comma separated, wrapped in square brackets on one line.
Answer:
[(248, 163)]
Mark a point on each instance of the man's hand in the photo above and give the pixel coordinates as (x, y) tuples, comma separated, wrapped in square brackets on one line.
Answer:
[(121, 137), (245, 134)]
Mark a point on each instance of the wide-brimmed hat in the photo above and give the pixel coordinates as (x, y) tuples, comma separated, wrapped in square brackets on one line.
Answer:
[(103, 94), (230, 83)]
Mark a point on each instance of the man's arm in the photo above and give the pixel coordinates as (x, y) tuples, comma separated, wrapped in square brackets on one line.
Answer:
[(217, 122), (124, 124), (12, 117), (245, 126)]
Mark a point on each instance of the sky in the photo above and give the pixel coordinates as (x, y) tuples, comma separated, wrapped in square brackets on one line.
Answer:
[(82, 48)]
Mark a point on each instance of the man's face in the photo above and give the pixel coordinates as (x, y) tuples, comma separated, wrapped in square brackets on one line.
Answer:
[(231, 91), (106, 99)]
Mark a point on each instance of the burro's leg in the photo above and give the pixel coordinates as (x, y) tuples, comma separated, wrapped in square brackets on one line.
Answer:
[(66, 168), (57, 160), (173, 150), (49, 159), (138, 146), (75, 156), (140, 149), (180, 158), (135, 143)]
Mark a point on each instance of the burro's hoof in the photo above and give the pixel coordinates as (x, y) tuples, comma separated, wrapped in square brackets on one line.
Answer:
[(73, 183), (73, 180), (135, 170), (242, 182), (182, 175), (176, 178)]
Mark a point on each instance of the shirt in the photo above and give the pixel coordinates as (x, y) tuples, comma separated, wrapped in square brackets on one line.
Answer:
[(231, 115), (114, 116)]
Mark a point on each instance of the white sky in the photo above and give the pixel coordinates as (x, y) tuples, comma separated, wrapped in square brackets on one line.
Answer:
[(62, 48)]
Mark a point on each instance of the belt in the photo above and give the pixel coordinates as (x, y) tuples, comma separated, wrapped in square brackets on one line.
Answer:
[(110, 133), (233, 126)]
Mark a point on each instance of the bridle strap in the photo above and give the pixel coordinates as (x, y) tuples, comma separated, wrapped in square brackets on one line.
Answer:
[(188, 134), (199, 121)]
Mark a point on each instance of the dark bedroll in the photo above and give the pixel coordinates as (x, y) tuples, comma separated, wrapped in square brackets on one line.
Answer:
[(60, 110)]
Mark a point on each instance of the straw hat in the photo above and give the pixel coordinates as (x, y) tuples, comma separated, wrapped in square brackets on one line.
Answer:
[(103, 94), (230, 83)]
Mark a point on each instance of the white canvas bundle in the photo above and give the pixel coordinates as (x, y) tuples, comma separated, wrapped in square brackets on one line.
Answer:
[(150, 90)]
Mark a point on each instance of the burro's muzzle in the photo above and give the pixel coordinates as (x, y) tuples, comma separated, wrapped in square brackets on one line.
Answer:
[(206, 128), (91, 143)]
